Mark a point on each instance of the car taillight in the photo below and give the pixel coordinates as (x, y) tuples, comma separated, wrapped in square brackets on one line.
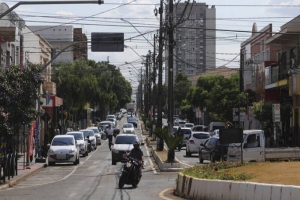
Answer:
[(192, 141)]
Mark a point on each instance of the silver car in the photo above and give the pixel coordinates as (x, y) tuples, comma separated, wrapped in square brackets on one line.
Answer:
[(81, 141), (97, 134)]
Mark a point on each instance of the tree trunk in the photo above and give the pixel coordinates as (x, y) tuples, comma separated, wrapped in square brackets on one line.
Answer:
[(171, 155)]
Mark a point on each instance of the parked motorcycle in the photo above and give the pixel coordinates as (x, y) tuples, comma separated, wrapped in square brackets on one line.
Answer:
[(130, 173)]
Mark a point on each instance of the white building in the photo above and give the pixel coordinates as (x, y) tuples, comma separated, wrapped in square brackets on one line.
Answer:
[(59, 37), (194, 39)]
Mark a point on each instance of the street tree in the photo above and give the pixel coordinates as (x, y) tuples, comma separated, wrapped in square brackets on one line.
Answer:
[(181, 85), (18, 95)]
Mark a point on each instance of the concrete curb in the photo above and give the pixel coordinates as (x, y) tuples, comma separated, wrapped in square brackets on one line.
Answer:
[(195, 188), (166, 167), (18, 179)]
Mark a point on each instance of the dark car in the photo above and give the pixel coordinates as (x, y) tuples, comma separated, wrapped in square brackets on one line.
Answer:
[(212, 150), (133, 120)]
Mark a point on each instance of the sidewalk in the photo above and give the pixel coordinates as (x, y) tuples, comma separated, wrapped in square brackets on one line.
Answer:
[(23, 172)]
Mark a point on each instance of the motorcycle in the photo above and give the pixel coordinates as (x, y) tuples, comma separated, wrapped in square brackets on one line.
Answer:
[(130, 173)]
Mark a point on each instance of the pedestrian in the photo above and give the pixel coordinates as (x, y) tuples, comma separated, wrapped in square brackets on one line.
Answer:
[(110, 133)]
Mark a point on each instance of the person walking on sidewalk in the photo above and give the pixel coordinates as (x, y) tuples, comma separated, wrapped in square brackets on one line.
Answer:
[(110, 133)]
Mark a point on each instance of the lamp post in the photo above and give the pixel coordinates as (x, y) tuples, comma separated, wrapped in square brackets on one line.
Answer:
[(49, 2)]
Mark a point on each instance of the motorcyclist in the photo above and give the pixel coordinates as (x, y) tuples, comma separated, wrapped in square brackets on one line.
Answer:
[(137, 154), (110, 133)]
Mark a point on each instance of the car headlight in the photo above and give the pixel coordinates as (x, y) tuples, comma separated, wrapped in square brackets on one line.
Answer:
[(72, 151), (81, 145), (51, 151), (115, 151)]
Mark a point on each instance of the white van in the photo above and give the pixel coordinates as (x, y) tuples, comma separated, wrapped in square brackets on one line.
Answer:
[(215, 125)]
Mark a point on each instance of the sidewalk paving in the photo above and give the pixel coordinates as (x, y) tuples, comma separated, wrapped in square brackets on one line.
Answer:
[(23, 172)]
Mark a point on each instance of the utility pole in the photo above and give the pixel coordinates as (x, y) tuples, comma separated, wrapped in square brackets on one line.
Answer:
[(154, 94), (160, 145), (146, 89), (149, 82), (241, 83), (170, 67)]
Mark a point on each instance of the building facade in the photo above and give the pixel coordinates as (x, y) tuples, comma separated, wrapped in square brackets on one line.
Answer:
[(288, 57), (59, 37), (80, 49), (195, 44)]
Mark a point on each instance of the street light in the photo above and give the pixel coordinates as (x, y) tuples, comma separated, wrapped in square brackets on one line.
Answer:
[(49, 2), (136, 30)]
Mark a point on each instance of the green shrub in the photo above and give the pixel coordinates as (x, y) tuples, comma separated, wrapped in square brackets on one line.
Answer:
[(216, 171)]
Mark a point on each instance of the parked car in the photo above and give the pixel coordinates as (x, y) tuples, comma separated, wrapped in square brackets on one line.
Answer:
[(189, 125), (81, 141), (200, 128), (63, 148), (123, 143), (194, 142), (89, 133), (128, 128), (97, 134), (113, 119), (213, 150), (133, 121)]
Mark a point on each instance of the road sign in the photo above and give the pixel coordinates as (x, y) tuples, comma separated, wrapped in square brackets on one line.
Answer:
[(276, 112), (107, 42)]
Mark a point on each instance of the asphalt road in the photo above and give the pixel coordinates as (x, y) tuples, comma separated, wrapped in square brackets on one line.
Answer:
[(93, 178)]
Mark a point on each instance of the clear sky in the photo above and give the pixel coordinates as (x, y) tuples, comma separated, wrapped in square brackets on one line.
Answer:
[(232, 17)]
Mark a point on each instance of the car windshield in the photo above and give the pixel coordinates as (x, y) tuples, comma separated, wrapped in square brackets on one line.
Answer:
[(198, 128), (88, 133), (96, 130), (110, 117), (186, 131), (181, 122), (63, 141), (127, 126), (77, 136), (125, 139), (201, 135), (189, 125), (131, 119), (218, 127)]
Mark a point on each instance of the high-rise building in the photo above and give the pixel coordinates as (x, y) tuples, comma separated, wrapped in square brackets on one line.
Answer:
[(194, 39)]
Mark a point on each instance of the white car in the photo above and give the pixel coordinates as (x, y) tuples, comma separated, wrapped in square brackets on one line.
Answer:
[(97, 134), (216, 133), (181, 123), (113, 119), (189, 125), (81, 141), (63, 148), (128, 128), (123, 144), (194, 142), (92, 138)]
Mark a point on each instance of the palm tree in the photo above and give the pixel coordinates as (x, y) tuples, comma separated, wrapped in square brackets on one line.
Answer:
[(170, 140)]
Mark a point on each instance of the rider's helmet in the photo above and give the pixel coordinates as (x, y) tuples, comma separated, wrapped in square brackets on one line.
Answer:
[(136, 145)]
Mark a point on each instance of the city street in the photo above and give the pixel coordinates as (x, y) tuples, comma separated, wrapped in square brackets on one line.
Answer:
[(93, 178)]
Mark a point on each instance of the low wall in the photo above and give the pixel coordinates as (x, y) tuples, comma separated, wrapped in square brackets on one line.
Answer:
[(166, 167), (204, 189)]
